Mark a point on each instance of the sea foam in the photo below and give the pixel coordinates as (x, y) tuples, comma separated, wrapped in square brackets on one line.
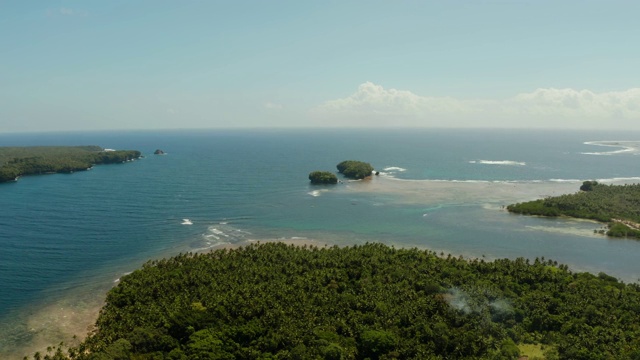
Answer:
[(391, 170), (394, 168), (498, 162), (316, 193), (627, 147)]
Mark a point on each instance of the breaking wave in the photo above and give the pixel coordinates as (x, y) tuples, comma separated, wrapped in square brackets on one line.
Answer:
[(221, 234), (624, 147), (390, 171), (316, 193), (394, 168), (498, 162)]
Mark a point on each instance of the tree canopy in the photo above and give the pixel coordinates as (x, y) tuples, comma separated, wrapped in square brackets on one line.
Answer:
[(618, 205), (19, 161), (323, 177), (588, 185), (355, 169), (276, 301)]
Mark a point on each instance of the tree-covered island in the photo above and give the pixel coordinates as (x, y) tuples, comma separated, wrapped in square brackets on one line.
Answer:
[(20, 161), (277, 301), (355, 169), (323, 177), (616, 205)]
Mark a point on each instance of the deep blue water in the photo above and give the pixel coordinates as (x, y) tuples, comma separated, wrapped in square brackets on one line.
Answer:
[(59, 233)]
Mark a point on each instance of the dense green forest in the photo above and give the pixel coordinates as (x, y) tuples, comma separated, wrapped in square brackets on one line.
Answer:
[(277, 301), (323, 177), (355, 169), (617, 205), (19, 161)]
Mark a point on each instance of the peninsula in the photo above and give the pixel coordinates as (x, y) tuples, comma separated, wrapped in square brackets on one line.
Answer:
[(36, 160), (277, 301), (616, 205)]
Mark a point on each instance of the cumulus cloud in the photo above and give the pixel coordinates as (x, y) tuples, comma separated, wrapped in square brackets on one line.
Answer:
[(581, 103), (374, 105)]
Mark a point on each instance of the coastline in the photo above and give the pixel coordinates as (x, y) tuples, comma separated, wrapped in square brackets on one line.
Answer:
[(76, 313), (16, 162), (71, 318)]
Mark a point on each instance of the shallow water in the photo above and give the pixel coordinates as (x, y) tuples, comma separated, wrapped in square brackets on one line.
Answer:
[(66, 239)]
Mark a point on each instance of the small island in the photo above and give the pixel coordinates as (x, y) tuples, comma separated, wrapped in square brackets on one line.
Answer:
[(616, 205), (36, 160), (158, 152), (355, 169), (323, 177)]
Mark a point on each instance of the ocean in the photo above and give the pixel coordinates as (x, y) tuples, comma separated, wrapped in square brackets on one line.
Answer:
[(67, 238)]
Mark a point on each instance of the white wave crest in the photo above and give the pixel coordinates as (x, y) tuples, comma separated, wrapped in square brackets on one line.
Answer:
[(565, 180), (498, 162), (218, 232), (619, 180), (186, 222), (394, 168), (316, 193), (632, 147), (221, 234)]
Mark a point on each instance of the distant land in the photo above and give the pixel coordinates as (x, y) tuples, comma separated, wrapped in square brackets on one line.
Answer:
[(37, 160), (616, 205)]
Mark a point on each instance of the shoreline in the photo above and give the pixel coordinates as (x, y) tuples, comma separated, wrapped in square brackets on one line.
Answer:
[(71, 318), (76, 311)]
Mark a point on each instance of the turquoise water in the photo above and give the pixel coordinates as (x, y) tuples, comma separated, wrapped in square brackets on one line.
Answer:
[(71, 236)]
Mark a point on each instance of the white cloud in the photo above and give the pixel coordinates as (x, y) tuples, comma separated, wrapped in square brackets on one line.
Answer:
[(272, 106), (373, 105), (582, 103)]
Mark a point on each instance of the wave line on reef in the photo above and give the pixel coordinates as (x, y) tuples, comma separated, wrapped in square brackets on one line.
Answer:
[(626, 146), (498, 162)]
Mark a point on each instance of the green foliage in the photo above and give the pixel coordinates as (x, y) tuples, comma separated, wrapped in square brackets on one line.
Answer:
[(273, 301), (508, 350), (588, 185), (605, 203), (375, 343), (355, 169), (323, 177), (19, 161), (617, 229)]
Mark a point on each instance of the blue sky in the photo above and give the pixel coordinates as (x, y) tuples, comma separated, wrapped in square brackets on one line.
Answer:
[(93, 65)]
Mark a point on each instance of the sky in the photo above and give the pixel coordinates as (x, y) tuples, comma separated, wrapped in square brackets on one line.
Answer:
[(155, 64)]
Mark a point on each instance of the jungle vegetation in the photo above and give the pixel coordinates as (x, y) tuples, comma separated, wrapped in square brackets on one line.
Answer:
[(277, 301), (19, 161), (617, 205), (355, 169), (323, 177)]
